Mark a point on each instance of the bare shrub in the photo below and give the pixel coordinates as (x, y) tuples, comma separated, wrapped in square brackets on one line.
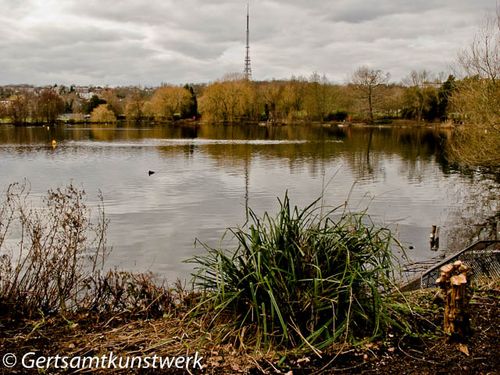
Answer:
[(119, 292), (478, 141), (49, 254), (52, 260), (481, 58), (477, 100)]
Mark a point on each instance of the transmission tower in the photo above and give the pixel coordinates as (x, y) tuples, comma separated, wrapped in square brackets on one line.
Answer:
[(248, 69)]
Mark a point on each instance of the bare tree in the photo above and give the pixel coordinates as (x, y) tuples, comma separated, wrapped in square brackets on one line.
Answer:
[(49, 105), (477, 99), (482, 57), (227, 101), (169, 101), (19, 109), (367, 80), (318, 98), (420, 92), (102, 113), (418, 78)]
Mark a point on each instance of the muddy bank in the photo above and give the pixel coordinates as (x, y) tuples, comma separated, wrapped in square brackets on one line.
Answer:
[(428, 353)]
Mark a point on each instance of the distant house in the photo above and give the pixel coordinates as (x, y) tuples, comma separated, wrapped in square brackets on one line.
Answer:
[(71, 117), (86, 92), (20, 88), (435, 85), (86, 95)]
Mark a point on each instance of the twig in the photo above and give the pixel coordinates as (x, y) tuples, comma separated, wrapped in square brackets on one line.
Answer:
[(409, 355), (333, 359)]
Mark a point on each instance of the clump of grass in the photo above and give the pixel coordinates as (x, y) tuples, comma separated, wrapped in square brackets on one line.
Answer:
[(303, 278)]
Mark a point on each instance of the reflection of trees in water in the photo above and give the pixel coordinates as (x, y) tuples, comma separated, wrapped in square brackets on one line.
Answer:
[(362, 150), (367, 149), (477, 214), (101, 132), (255, 132), (27, 135)]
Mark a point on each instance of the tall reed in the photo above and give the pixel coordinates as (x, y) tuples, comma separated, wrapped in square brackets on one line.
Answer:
[(302, 278)]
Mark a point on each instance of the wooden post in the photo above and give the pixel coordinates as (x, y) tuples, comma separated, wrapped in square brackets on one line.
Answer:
[(454, 284), (434, 238)]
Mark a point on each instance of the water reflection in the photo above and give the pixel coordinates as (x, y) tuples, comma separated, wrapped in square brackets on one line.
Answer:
[(206, 176)]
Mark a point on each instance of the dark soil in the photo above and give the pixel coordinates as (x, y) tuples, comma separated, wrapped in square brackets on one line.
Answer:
[(397, 354), (477, 354)]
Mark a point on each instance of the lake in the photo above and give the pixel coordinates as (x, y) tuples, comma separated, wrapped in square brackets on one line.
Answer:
[(206, 175)]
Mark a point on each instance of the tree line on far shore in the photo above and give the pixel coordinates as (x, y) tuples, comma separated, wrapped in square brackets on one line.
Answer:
[(369, 97)]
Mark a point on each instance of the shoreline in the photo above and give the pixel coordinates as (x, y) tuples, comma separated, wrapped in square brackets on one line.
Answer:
[(397, 123)]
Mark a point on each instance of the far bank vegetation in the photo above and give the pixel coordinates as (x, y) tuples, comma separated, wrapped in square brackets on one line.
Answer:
[(369, 97), (477, 99)]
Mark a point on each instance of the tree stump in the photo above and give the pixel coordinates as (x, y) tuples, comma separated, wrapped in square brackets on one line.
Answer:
[(455, 286)]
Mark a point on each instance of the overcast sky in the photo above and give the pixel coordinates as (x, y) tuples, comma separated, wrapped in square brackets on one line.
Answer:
[(110, 42)]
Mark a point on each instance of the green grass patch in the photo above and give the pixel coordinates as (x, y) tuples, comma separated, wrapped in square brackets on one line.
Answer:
[(305, 278)]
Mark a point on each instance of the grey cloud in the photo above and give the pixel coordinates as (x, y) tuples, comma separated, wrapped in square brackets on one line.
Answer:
[(359, 11), (16, 9), (137, 42)]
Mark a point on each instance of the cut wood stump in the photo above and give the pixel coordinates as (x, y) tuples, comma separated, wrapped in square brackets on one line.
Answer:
[(454, 284)]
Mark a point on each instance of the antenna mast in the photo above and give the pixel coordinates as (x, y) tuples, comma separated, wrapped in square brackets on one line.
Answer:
[(248, 70)]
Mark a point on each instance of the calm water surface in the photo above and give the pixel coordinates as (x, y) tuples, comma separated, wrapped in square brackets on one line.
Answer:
[(206, 175)]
